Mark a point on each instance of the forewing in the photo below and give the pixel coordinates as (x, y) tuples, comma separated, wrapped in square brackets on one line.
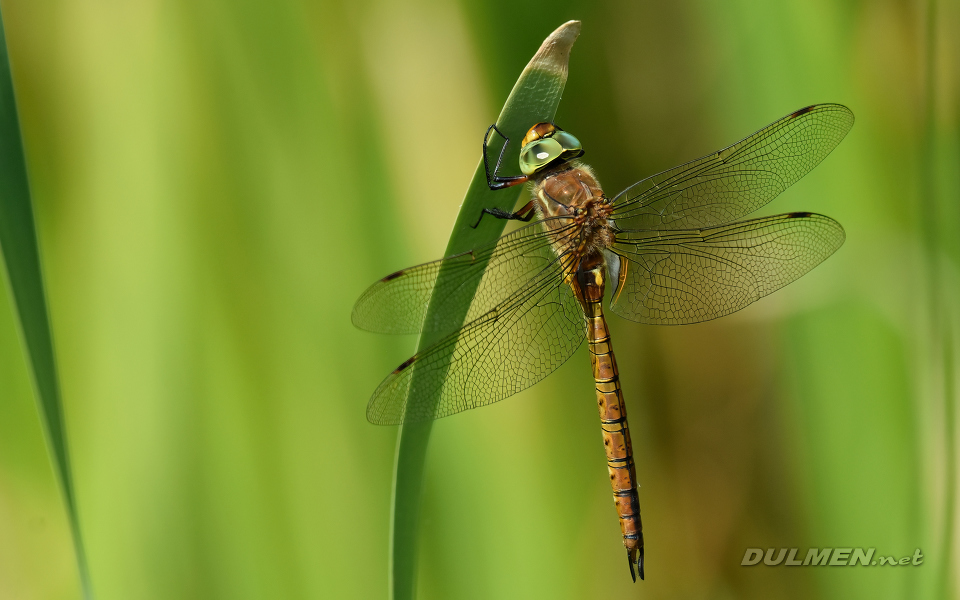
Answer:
[(505, 350), (726, 185), (398, 302), (692, 276)]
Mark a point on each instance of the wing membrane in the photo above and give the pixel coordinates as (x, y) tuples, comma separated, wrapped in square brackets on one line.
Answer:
[(726, 185), (505, 350), (697, 275), (398, 302)]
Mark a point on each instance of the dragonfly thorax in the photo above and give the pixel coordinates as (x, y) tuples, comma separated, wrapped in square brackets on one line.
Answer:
[(574, 194)]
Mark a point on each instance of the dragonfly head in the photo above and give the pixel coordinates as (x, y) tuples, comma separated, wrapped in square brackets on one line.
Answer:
[(547, 145)]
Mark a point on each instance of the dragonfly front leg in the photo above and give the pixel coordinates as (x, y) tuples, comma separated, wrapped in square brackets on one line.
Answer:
[(524, 214), (494, 181)]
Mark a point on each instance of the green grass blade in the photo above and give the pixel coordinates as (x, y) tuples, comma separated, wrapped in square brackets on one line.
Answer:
[(534, 98), (937, 228), (18, 245)]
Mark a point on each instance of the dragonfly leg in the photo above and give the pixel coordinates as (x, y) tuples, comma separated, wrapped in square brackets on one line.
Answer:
[(524, 214), (494, 181)]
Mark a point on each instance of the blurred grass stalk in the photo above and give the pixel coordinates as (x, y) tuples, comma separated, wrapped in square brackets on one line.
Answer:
[(939, 200), (534, 99), (20, 250)]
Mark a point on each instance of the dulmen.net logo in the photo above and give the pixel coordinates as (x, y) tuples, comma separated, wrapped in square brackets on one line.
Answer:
[(829, 557)]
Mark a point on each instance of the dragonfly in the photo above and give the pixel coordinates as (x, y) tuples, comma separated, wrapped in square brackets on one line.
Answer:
[(667, 250)]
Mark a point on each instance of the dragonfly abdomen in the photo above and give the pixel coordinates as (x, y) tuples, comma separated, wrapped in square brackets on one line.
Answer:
[(613, 417)]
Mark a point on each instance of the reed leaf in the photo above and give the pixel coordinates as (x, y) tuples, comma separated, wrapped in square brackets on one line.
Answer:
[(18, 245), (534, 98)]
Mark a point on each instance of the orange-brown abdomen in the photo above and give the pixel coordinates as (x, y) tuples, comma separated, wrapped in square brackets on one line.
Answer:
[(613, 415)]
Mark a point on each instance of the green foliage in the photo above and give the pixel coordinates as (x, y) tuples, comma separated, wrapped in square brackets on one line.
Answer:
[(20, 251), (216, 183)]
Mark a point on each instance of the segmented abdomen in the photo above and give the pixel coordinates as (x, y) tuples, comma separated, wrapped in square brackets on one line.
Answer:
[(613, 418)]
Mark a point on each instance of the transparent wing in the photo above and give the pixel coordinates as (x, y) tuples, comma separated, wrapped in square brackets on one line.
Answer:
[(505, 350), (726, 185), (398, 302), (691, 276)]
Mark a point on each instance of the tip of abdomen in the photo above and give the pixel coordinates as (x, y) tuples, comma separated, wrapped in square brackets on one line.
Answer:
[(635, 557)]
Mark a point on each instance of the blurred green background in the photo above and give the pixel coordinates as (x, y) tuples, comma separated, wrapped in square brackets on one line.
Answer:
[(216, 182)]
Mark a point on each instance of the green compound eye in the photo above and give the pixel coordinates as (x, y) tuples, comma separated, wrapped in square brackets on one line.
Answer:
[(539, 153)]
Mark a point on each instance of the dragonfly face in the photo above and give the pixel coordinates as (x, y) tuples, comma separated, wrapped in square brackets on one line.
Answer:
[(677, 254)]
